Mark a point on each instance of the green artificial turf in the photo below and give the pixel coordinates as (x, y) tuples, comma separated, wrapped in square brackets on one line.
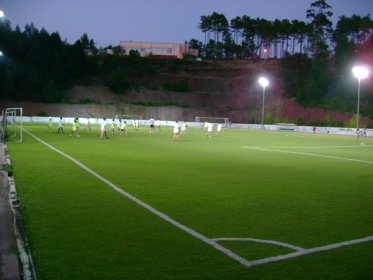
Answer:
[(79, 228)]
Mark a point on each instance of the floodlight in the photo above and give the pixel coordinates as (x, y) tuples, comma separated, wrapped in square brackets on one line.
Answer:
[(360, 72), (1, 14), (263, 82)]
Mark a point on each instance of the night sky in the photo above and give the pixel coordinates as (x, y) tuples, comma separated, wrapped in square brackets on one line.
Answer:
[(110, 21)]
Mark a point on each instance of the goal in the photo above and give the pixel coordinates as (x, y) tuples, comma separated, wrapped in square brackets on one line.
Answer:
[(287, 126), (12, 123), (129, 117), (214, 120)]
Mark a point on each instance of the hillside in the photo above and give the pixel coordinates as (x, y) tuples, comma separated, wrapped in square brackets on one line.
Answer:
[(224, 89)]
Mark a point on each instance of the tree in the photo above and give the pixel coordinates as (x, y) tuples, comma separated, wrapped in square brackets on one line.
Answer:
[(117, 50), (218, 24), (319, 36), (206, 26), (296, 73), (196, 45)]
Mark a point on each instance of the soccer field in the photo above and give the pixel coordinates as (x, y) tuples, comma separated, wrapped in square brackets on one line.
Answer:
[(145, 207)]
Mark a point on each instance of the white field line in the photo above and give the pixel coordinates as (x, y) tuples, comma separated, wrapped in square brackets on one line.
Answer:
[(311, 250), (148, 207), (315, 147), (278, 243), (307, 154)]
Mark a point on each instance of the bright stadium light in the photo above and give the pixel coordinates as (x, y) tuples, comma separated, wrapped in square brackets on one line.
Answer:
[(264, 83), (1, 14), (1, 53), (360, 72)]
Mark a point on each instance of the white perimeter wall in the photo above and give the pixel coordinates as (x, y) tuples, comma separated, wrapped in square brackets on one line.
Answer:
[(305, 129)]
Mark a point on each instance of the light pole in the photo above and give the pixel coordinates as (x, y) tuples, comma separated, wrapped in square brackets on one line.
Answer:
[(264, 83), (360, 72), (1, 16)]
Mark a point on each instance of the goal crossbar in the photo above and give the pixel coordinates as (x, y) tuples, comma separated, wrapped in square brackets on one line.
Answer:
[(216, 120), (129, 117)]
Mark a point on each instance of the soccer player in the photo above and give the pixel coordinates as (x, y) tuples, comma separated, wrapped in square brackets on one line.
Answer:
[(75, 128), (365, 132), (77, 125), (88, 125), (183, 127), (151, 122), (136, 124), (176, 130), (158, 124), (123, 126), (50, 123), (112, 126), (103, 129), (218, 128), (209, 129), (60, 125), (205, 125)]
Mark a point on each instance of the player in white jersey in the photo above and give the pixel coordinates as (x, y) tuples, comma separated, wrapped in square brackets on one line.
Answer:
[(205, 125), (136, 124), (103, 129), (88, 125), (176, 131), (60, 125), (158, 124), (151, 125), (218, 128), (209, 129), (183, 127)]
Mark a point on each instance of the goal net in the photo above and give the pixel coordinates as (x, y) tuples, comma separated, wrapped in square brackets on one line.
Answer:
[(287, 126), (129, 117), (12, 124), (213, 120)]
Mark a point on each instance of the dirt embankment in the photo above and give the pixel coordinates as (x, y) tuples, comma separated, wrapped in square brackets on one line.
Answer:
[(225, 90)]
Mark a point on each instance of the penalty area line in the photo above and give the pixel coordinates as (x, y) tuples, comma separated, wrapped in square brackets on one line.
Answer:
[(306, 154), (311, 250), (156, 212)]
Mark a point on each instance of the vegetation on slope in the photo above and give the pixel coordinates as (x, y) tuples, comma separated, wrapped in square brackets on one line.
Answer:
[(315, 57)]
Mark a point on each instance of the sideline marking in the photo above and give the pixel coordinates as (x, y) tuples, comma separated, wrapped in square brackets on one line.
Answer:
[(307, 154), (278, 243), (147, 206), (211, 242), (315, 147)]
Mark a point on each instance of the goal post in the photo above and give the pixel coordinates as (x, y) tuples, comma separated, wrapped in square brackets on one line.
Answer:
[(214, 120), (13, 123)]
